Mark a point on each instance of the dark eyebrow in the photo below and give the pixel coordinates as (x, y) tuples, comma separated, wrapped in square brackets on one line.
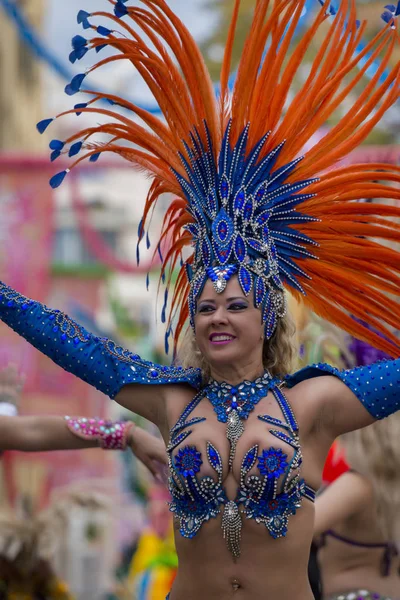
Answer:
[(241, 298)]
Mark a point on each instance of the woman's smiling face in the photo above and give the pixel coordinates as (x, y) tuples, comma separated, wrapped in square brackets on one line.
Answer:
[(228, 326)]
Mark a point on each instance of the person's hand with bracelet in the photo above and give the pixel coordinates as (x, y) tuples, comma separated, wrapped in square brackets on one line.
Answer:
[(45, 433)]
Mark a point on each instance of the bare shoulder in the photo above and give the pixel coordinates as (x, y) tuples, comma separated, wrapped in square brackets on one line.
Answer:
[(310, 397), (326, 404), (160, 404), (356, 483)]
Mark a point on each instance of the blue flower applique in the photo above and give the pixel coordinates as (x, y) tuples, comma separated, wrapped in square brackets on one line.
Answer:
[(188, 461), (272, 463)]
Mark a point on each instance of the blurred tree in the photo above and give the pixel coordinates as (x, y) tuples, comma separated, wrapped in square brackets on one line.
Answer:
[(213, 46)]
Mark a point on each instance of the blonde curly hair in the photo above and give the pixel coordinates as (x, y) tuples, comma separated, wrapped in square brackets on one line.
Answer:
[(374, 452), (280, 353)]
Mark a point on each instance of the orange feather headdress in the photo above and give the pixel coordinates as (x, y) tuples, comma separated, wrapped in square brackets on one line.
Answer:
[(245, 198)]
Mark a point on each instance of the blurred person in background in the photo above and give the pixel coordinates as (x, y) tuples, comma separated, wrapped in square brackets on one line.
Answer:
[(357, 523), (26, 549), (357, 518), (154, 564)]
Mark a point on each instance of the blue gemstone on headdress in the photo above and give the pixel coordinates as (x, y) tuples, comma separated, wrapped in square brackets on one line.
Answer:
[(248, 210), (264, 217), (245, 280), (222, 228), (192, 229), (224, 189), (265, 233), (212, 203), (94, 157), (240, 248), (259, 291), (43, 125), (239, 200), (206, 252), (223, 253), (260, 194), (255, 244)]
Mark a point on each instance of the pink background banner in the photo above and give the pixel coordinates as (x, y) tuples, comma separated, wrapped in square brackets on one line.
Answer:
[(26, 236)]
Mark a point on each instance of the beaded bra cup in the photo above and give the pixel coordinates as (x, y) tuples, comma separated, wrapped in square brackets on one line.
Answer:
[(269, 498)]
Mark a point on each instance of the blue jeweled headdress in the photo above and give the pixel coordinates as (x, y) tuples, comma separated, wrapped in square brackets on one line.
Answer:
[(243, 197), (242, 209)]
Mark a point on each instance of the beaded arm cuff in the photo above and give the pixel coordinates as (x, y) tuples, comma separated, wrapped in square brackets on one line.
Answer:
[(110, 435), (376, 386), (96, 360)]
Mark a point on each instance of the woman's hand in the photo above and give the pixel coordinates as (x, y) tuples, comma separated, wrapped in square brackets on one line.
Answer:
[(46, 433), (150, 450)]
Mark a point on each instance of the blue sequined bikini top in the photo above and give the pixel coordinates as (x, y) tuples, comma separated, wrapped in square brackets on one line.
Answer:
[(270, 497)]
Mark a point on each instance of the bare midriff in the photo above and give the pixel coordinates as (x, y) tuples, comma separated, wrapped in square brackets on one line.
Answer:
[(267, 568)]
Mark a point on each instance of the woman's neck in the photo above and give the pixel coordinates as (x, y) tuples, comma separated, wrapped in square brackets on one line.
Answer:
[(236, 374)]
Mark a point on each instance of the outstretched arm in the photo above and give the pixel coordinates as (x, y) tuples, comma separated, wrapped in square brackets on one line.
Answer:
[(96, 360), (343, 498), (44, 433), (342, 401)]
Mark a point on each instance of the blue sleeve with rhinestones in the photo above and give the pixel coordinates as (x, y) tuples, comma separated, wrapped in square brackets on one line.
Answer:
[(96, 360), (377, 386)]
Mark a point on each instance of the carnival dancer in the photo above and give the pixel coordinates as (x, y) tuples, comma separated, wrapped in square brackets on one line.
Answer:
[(43, 433), (357, 518), (357, 523), (246, 439)]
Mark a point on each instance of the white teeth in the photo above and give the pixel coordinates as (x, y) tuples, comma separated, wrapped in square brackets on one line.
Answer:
[(222, 338)]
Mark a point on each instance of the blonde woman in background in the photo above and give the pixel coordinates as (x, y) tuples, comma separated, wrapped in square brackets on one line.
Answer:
[(357, 518)]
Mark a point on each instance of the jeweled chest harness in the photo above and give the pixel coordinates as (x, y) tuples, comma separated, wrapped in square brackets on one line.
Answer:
[(196, 500)]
